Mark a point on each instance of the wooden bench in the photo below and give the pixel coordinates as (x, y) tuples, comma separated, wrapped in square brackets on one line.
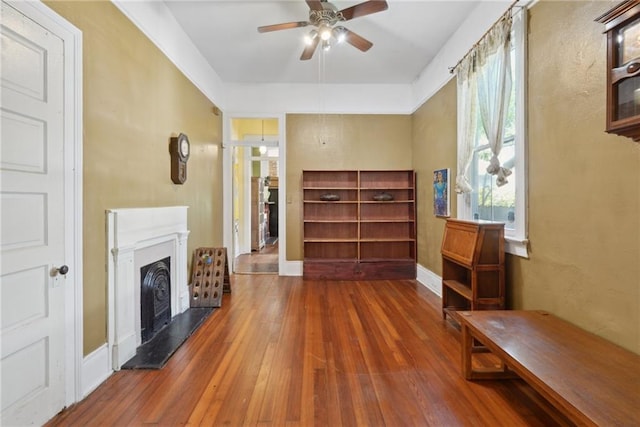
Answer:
[(587, 378)]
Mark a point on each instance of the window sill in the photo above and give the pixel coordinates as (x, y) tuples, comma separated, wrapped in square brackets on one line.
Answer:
[(517, 247)]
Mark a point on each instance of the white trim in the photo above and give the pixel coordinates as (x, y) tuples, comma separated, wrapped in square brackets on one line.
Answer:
[(251, 142), (516, 247), (290, 268), (312, 98), (284, 269), (430, 280), (72, 38), (245, 243), (516, 242), (227, 193), (95, 370)]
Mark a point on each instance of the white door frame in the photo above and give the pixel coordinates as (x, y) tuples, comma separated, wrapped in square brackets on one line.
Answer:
[(72, 38), (284, 268)]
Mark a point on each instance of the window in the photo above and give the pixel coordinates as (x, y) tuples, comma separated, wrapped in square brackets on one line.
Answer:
[(486, 200)]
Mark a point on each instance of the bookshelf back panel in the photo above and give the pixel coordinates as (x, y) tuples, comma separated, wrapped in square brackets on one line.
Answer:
[(331, 211), (387, 179), (330, 179), (335, 231), (399, 195), (387, 211), (387, 230), (317, 250), (387, 250), (314, 194)]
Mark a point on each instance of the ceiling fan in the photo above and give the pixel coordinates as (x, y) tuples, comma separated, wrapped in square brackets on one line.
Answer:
[(324, 16)]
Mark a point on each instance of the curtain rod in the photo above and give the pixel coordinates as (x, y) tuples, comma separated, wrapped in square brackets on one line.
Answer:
[(475, 45)]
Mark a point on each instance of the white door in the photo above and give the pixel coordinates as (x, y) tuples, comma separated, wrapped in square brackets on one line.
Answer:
[(32, 222)]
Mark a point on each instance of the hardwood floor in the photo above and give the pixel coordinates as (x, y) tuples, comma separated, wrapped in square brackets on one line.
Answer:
[(264, 261), (283, 351)]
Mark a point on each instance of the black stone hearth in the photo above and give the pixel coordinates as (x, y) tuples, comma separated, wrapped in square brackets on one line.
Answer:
[(155, 353)]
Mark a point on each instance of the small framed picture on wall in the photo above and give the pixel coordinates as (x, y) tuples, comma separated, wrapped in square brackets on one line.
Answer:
[(441, 203)]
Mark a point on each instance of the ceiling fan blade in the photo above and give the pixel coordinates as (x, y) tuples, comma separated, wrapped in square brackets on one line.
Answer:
[(308, 51), (314, 4), (357, 41), (365, 8), (284, 26)]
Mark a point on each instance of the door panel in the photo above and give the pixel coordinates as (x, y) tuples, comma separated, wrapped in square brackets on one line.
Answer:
[(28, 156), (32, 211), (23, 208), (28, 301), (26, 72)]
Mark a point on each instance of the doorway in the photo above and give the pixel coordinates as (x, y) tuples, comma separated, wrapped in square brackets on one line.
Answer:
[(41, 242), (255, 182)]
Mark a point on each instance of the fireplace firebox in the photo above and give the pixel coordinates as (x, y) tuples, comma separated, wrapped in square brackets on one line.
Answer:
[(155, 297)]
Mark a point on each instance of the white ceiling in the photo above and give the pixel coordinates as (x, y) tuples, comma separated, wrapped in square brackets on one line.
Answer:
[(405, 38)]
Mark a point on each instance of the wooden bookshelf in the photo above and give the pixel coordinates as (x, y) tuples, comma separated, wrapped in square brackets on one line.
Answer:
[(358, 236)]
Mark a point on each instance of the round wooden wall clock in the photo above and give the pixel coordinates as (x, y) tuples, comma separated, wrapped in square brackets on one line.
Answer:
[(180, 150)]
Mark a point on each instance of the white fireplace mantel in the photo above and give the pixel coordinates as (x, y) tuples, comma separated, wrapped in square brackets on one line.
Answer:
[(132, 235)]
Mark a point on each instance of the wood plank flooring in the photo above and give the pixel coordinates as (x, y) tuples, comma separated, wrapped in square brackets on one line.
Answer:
[(264, 261), (283, 351)]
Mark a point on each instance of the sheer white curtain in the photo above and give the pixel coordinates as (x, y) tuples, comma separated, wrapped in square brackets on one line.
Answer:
[(484, 87), (494, 91), (467, 120)]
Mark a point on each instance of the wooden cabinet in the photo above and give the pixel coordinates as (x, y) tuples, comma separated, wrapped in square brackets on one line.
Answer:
[(472, 266), (359, 225), (622, 26), (258, 220)]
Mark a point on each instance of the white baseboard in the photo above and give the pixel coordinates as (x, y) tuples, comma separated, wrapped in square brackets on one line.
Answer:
[(291, 268), (124, 350), (430, 280), (95, 369)]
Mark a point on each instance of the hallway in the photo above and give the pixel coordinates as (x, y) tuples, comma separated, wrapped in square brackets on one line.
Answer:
[(264, 261)]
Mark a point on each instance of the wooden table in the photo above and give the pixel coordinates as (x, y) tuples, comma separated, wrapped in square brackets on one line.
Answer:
[(589, 379)]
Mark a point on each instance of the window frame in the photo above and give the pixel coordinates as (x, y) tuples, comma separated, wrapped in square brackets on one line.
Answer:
[(516, 240)]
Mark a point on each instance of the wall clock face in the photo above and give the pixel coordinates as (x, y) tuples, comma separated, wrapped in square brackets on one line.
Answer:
[(184, 147)]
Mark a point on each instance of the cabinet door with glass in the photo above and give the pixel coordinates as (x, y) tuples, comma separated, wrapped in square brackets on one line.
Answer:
[(622, 26)]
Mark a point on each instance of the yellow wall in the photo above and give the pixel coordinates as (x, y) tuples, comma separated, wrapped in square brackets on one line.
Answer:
[(334, 142), (584, 185), (135, 99), (266, 127), (434, 133)]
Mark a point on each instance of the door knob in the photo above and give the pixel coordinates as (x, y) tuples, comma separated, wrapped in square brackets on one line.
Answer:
[(64, 269)]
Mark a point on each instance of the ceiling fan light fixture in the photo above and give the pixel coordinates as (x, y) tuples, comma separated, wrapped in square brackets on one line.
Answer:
[(340, 34), (308, 38), (325, 17), (325, 32)]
